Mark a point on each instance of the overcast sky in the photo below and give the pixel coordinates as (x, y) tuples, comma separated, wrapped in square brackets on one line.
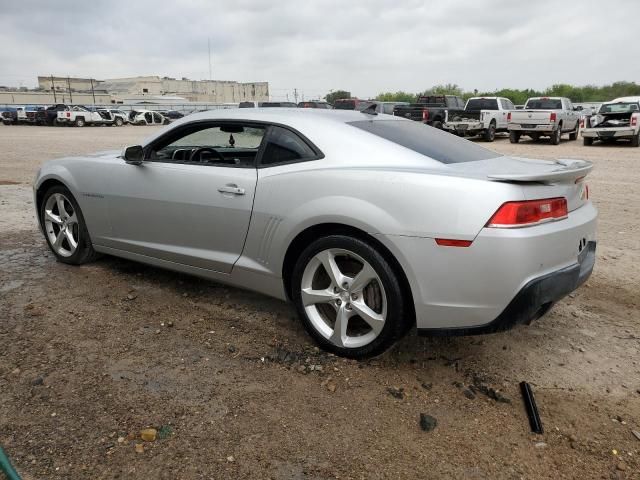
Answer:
[(364, 46)]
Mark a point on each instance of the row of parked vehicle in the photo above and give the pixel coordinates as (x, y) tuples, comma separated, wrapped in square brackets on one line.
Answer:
[(540, 117), (80, 116)]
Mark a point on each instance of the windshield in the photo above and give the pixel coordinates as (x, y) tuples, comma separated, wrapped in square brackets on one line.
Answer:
[(482, 104), (544, 104), (619, 108), (430, 142)]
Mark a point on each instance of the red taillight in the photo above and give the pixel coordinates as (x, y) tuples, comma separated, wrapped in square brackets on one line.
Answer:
[(531, 212), (552, 117), (634, 120), (582, 122), (425, 114), (509, 117), (68, 114), (451, 242)]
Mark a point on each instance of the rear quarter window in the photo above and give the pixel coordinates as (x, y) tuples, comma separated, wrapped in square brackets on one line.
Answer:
[(428, 141)]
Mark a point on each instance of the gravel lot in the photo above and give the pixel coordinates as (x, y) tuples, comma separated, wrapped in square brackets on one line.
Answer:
[(89, 356)]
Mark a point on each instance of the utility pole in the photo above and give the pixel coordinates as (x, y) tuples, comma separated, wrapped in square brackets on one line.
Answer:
[(209, 45), (93, 94), (295, 94), (69, 85), (53, 89)]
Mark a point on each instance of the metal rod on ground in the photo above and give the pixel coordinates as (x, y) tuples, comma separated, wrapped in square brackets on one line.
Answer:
[(532, 408), (7, 468)]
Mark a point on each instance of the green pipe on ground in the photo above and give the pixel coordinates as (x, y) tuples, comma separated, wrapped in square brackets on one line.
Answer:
[(7, 468)]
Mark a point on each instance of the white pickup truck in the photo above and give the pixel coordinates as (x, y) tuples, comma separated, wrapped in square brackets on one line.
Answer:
[(481, 116), (544, 117), (617, 119), (80, 116)]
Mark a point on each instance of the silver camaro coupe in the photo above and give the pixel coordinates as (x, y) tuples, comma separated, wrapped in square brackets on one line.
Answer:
[(370, 224)]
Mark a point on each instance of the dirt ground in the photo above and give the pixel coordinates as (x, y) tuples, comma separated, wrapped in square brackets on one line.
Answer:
[(91, 355)]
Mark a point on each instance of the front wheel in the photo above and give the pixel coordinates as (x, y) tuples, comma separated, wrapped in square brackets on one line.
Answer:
[(349, 297), (64, 227), (490, 133)]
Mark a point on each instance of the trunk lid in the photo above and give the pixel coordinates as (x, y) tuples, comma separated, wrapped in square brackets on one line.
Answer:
[(538, 178)]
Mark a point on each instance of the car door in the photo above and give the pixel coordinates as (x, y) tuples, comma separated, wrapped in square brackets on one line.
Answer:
[(572, 117), (183, 209), (501, 115)]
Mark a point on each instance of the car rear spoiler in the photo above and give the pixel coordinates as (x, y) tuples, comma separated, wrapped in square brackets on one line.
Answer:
[(566, 169)]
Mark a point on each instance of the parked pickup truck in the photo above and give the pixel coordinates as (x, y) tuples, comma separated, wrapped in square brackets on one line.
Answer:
[(433, 110), (544, 117), (481, 116), (79, 116), (617, 119)]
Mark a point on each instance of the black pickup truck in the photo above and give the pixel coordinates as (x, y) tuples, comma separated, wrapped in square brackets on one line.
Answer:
[(433, 110)]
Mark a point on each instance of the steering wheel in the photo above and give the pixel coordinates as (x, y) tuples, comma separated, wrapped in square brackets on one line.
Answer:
[(196, 154)]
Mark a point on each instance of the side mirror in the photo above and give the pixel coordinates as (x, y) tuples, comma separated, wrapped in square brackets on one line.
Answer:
[(134, 155)]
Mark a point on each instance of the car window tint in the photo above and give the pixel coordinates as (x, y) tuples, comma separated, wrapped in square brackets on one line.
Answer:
[(285, 146), (429, 141)]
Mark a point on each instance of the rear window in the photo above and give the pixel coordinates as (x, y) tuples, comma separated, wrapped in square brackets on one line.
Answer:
[(544, 104), (482, 104), (619, 108), (345, 105), (428, 141)]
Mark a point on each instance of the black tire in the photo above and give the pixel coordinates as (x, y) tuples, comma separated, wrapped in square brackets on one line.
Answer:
[(574, 135), (587, 141), (635, 140), (6, 122), (399, 318), (535, 137), (118, 122), (79, 122), (514, 137), (489, 134), (84, 252), (437, 124), (556, 136)]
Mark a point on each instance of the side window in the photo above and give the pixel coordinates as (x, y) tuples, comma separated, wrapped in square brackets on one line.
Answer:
[(285, 146), (388, 108), (230, 145)]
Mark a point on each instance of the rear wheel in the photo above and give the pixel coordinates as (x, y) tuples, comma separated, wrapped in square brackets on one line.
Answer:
[(635, 140), (574, 135), (490, 133), (64, 227), (79, 122), (118, 122), (556, 135), (437, 124), (349, 297), (587, 141), (514, 137)]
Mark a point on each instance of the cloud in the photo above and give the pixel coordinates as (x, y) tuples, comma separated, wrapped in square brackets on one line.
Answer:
[(365, 46)]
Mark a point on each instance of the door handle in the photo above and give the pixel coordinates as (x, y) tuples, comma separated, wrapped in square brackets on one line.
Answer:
[(231, 188)]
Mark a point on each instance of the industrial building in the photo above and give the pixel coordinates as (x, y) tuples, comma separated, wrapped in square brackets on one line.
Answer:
[(218, 91)]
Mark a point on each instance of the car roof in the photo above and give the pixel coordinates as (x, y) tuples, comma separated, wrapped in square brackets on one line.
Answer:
[(302, 119), (625, 99)]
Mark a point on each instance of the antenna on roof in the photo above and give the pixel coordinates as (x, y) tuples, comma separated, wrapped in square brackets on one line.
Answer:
[(370, 110)]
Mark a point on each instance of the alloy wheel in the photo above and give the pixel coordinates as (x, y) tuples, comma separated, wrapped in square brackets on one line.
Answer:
[(61, 225), (344, 298)]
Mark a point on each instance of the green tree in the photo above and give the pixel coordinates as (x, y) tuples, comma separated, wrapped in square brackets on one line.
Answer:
[(448, 89), (399, 96), (336, 95)]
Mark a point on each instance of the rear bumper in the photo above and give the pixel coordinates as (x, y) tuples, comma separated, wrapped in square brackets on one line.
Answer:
[(469, 288), (534, 299), (608, 132), (525, 128), (463, 127)]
